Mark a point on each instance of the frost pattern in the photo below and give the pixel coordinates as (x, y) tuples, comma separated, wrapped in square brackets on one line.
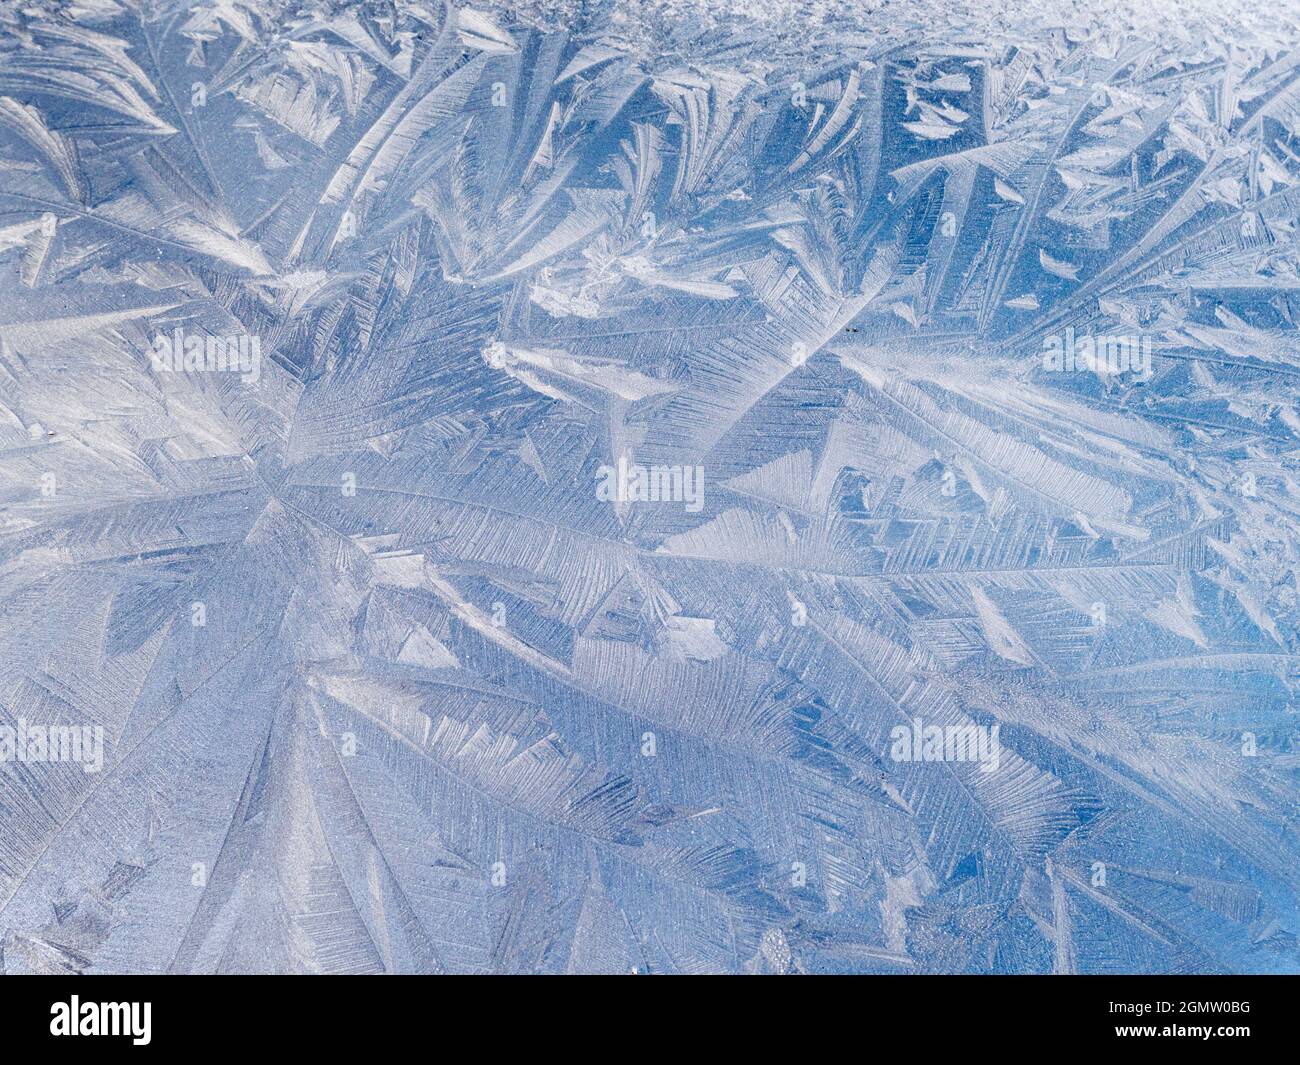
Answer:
[(387, 684)]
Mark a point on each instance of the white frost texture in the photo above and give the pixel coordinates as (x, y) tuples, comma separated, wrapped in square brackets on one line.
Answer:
[(584, 486)]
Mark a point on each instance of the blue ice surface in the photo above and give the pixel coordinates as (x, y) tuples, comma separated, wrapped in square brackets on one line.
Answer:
[(735, 487)]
